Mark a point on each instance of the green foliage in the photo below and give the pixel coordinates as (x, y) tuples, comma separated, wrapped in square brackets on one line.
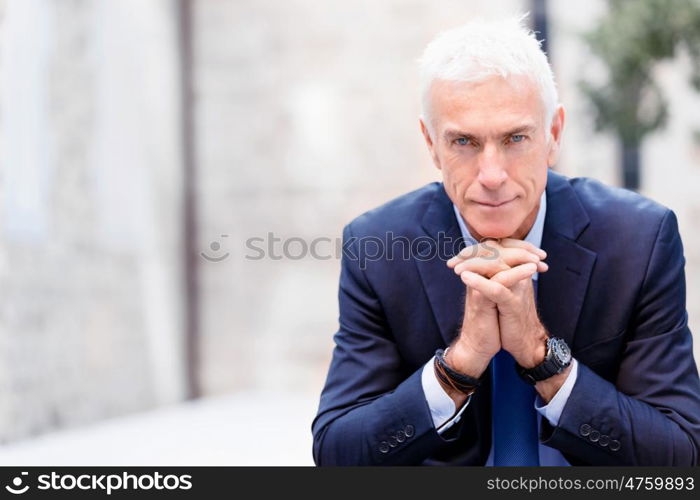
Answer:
[(630, 41)]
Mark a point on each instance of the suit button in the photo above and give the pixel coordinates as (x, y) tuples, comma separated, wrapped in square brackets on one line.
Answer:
[(614, 445), (384, 447), (604, 440), (594, 436), (409, 430), (401, 436), (584, 430), (393, 441)]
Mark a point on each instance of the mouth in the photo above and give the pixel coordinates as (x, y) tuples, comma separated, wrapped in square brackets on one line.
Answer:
[(494, 205)]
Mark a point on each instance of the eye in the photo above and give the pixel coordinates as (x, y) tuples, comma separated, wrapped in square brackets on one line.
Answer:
[(517, 138), (462, 141)]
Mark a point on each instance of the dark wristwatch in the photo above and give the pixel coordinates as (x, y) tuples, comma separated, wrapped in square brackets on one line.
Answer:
[(558, 357)]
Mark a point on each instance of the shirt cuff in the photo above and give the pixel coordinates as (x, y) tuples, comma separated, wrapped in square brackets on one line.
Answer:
[(442, 408), (552, 411)]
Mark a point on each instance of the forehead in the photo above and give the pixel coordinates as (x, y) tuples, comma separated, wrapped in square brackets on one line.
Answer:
[(488, 106)]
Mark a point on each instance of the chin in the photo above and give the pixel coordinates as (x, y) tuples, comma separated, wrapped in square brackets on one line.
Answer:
[(496, 231)]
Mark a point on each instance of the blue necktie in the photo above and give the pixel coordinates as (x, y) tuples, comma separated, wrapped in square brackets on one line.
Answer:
[(515, 440)]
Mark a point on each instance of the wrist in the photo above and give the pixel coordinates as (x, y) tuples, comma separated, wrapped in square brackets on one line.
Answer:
[(548, 388), (457, 397), (535, 354), (557, 360), (463, 359)]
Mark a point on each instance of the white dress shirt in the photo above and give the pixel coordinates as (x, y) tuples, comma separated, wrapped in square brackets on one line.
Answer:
[(442, 408)]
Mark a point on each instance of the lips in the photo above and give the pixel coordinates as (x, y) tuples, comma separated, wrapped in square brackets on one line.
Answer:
[(491, 204)]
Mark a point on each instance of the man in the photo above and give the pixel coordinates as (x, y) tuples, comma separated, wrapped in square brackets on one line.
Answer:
[(564, 312)]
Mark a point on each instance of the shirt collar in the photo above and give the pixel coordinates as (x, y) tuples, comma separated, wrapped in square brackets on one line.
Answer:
[(534, 236)]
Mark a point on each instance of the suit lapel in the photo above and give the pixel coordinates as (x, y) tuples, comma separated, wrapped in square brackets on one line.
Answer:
[(561, 290), (443, 287)]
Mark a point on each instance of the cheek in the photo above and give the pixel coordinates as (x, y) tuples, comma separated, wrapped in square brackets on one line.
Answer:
[(532, 187), (539, 176), (457, 175), (450, 160), (531, 172)]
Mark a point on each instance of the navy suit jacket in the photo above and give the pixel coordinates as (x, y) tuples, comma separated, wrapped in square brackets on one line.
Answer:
[(615, 291)]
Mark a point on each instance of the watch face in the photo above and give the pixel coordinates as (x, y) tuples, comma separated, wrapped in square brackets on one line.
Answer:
[(560, 351)]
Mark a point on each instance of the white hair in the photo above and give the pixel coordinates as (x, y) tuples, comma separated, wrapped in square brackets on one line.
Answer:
[(480, 49)]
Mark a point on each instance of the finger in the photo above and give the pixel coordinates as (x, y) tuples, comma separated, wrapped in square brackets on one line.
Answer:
[(515, 252), (481, 266), (512, 276), (467, 252), (492, 290), (506, 258), (513, 243), (487, 249), (515, 256), (489, 269), (477, 299)]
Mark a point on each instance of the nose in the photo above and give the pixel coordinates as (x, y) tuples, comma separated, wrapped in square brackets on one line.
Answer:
[(492, 169)]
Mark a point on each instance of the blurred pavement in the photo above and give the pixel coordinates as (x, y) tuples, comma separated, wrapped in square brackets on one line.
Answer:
[(245, 429)]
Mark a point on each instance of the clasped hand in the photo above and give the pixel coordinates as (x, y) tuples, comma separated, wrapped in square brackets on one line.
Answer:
[(500, 310)]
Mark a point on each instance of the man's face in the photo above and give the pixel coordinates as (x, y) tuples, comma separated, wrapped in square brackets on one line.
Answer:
[(489, 140)]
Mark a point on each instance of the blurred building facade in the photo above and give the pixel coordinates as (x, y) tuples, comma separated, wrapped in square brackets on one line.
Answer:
[(305, 115), (89, 219)]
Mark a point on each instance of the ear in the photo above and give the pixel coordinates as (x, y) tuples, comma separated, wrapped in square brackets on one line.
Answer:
[(429, 142), (555, 132)]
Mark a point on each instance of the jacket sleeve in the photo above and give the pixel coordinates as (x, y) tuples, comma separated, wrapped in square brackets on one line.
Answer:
[(651, 414), (371, 411)]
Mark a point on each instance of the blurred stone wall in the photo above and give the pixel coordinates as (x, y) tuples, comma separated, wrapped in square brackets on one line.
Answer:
[(89, 212)]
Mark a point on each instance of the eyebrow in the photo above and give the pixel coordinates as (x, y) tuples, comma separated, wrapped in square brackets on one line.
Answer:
[(527, 128), (453, 133)]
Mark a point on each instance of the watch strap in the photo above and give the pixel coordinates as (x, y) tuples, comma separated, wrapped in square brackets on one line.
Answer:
[(448, 376), (548, 368)]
